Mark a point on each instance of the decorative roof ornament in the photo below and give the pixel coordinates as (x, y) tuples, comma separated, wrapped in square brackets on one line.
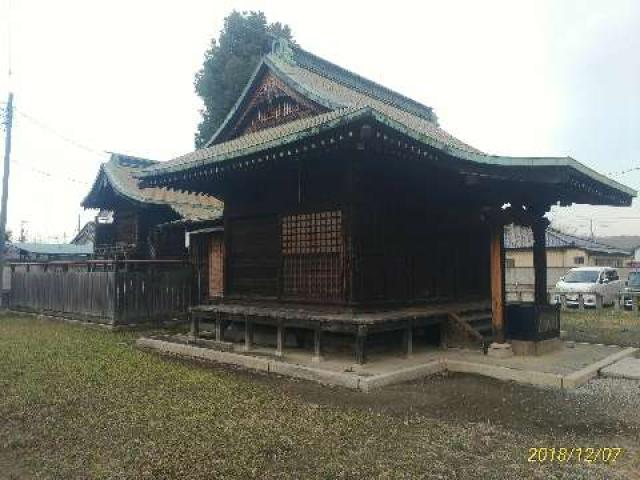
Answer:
[(282, 48)]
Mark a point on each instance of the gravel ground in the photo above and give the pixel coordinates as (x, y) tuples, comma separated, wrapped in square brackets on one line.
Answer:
[(82, 403)]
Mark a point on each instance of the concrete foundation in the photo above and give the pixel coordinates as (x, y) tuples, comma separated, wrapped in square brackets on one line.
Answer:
[(566, 368), (628, 368)]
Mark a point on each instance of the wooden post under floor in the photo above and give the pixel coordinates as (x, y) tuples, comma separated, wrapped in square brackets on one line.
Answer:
[(317, 347), (360, 346), (218, 327), (497, 282), (195, 325), (280, 339), (539, 229), (248, 333), (408, 338)]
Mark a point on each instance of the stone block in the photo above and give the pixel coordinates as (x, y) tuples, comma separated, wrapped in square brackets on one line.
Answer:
[(500, 350), (523, 347)]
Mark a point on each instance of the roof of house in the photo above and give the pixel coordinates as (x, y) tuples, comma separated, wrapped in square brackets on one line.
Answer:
[(347, 97), (55, 248), (626, 242), (518, 237), (118, 174)]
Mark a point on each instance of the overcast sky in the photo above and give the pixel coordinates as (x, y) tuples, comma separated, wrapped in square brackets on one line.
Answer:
[(514, 78)]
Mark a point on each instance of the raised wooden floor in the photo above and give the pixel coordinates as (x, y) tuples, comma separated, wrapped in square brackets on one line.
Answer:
[(328, 318)]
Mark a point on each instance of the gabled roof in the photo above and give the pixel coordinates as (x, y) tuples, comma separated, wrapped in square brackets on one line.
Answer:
[(348, 98), (118, 174), (334, 88), (518, 237)]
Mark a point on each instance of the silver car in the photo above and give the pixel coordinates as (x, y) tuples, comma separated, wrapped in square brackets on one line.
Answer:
[(590, 281)]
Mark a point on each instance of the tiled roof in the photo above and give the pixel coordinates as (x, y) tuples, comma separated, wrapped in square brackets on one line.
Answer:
[(312, 63), (349, 90), (255, 141), (119, 172), (348, 96), (519, 237)]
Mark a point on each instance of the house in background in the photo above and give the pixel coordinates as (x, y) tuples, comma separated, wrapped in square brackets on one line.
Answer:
[(563, 250), (626, 242), (48, 252), (144, 223)]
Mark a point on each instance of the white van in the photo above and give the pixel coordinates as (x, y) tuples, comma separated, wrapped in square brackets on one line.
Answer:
[(589, 281)]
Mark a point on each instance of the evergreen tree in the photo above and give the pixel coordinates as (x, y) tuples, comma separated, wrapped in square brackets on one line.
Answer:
[(229, 63)]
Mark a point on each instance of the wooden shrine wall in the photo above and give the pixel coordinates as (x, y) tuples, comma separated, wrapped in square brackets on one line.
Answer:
[(417, 234), (353, 227), (285, 233)]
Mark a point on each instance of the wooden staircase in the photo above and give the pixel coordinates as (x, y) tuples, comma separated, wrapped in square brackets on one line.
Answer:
[(474, 324)]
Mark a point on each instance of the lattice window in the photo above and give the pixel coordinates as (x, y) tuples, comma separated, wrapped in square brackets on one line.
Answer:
[(313, 255)]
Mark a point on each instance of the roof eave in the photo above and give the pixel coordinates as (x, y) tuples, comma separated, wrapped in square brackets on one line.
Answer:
[(364, 112)]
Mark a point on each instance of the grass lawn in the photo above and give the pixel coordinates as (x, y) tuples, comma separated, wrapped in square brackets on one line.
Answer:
[(608, 326), (78, 402)]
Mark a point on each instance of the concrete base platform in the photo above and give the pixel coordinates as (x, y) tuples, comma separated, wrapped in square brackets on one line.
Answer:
[(521, 347), (628, 368), (567, 368)]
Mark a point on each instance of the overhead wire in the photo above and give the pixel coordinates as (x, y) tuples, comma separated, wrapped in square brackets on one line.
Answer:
[(52, 131)]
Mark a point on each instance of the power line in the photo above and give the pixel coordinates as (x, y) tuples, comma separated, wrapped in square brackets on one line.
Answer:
[(49, 174), (623, 172), (67, 139)]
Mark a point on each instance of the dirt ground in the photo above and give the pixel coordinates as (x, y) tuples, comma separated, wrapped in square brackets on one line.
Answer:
[(81, 403)]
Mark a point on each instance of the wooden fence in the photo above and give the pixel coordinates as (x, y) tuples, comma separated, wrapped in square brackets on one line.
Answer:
[(110, 297)]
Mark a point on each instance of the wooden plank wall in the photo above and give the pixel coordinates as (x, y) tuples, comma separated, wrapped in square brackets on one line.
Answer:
[(151, 296), (254, 260), (104, 297), (88, 295)]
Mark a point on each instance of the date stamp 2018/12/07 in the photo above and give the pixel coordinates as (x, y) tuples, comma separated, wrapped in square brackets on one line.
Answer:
[(605, 455)]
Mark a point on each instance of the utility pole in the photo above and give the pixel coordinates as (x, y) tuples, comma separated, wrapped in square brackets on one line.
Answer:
[(5, 190)]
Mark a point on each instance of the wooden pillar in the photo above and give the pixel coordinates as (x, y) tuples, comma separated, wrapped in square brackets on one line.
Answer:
[(360, 346), (497, 282), (280, 339), (539, 229), (317, 347)]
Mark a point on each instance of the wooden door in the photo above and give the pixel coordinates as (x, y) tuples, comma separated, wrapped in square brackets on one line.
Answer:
[(216, 265)]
